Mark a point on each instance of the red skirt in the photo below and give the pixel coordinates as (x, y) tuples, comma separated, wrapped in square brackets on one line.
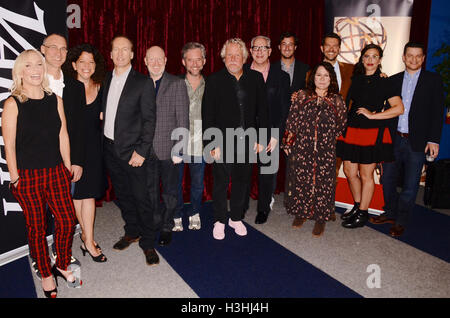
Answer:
[(365, 145)]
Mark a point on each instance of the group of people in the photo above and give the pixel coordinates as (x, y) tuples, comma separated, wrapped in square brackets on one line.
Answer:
[(67, 121)]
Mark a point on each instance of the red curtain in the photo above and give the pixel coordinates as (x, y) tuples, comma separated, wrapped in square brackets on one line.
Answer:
[(172, 23)]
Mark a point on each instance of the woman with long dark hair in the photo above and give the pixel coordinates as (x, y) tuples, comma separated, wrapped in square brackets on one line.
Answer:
[(85, 63), (371, 100), (316, 118)]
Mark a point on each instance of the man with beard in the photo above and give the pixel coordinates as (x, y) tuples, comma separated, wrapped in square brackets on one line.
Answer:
[(172, 112), (193, 58), (331, 47), (295, 68)]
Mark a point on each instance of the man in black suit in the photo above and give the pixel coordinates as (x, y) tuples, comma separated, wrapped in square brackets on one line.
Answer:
[(234, 99), (278, 98), (295, 68), (415, 133), (129, 126)]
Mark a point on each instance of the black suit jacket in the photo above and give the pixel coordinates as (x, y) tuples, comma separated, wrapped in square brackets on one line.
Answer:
[(278, 97), (134, 125), (299, 79), (425, 117), (74, 100), (220, 107)]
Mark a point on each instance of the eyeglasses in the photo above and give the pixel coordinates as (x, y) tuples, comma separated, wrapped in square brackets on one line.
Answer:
[(54, 48), (260, 48)]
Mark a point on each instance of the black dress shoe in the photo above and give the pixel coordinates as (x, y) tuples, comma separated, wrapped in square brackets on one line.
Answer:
[(261, 217), (359, 220), (165, 238), (125, 241), (348, 215), (151, 257)]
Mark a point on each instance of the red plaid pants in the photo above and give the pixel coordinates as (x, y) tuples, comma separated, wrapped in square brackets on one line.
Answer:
[(36, 188)]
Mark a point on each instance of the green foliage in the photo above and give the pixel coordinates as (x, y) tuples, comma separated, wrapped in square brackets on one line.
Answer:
[(443, 69)]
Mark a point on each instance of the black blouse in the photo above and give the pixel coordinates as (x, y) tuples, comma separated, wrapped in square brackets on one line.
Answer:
[(37, 135), (370, 92)]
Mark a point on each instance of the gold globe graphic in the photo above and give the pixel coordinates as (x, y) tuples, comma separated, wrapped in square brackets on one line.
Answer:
[(356, 33)]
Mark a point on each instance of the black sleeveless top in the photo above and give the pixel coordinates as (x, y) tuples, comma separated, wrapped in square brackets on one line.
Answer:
[(37, 135)]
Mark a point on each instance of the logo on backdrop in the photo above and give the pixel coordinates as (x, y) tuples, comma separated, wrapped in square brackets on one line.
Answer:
[(356, 33), (11, 21)]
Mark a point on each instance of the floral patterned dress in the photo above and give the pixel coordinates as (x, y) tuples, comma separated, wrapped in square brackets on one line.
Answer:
[(312, 127)]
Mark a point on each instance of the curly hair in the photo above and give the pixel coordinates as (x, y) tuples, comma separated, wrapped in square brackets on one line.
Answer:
[(311, 85), (237, 41), (74, 54), (359, 67)]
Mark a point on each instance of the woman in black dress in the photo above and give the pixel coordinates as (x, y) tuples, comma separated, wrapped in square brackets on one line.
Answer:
[(371, 100), (86, 64)]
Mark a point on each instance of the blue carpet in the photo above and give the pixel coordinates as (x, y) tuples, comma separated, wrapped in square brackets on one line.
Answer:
[(16, 280), (427, 230), (250, 266)]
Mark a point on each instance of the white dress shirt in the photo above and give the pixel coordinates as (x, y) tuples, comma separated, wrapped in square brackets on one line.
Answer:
[(112, 101), (56, 85)]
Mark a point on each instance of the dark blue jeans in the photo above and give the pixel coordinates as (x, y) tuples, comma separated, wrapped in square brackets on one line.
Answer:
[(197, 171), (398, 205)]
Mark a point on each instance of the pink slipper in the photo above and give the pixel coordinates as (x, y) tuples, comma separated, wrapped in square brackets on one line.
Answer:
[(219, 231), (238, 227)]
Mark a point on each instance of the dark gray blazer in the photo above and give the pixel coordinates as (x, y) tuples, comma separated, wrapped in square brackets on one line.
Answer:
[(172, 111)]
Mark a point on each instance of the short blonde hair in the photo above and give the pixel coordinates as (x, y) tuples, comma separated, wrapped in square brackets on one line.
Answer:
[(19, 64), (237, 41)]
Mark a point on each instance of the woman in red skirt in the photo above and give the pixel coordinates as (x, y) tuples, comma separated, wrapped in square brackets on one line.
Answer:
[(372, 101), (38, 158)]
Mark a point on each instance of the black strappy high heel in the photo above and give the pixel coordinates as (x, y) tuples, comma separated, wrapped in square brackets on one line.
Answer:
[(51, 293), (99, 258), (96, 245), (74, 284)]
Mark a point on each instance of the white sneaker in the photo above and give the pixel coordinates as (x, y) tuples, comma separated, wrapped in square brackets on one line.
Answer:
[(219, 231), (238, 227), (178, 225), (194, 222), (272, 202)]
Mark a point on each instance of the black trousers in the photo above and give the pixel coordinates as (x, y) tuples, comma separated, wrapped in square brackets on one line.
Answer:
[(130, 187), (163, 174), (240, 174)]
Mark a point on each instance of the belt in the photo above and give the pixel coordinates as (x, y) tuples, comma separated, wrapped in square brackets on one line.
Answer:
[(404, 135), (109, 141)]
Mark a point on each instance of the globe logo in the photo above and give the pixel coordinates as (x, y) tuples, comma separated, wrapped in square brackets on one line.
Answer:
[(356, 33)]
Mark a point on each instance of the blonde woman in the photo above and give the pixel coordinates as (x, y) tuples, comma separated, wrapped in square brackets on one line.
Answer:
[(38, 158)]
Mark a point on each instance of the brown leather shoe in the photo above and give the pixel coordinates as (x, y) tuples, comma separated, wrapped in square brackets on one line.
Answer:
[(381, 219), (151, 257), (397, 230), (298, 222), (319, 228), (125, 241)]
